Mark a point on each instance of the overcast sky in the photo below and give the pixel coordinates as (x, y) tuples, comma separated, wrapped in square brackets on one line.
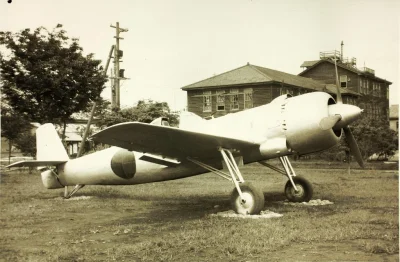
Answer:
[(171, 44)]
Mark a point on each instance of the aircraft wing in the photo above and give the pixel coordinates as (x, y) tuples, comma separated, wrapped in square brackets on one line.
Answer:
[(167, 141), (36, 163)]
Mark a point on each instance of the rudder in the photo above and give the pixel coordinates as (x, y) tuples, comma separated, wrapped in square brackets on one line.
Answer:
[(48, 144)]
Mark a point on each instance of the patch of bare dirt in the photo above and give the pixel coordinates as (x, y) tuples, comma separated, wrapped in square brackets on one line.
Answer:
[(231, 214), (314, 202)]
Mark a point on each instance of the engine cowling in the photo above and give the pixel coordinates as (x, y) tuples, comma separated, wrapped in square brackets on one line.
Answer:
[(302, 117), (299, 125)]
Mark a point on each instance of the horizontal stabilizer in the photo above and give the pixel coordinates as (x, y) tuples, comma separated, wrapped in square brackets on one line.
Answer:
[(36, 163)]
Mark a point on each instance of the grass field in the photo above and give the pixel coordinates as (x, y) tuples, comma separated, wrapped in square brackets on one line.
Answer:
[(170, 221)]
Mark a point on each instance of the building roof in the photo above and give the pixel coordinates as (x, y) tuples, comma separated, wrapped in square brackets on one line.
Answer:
[(295, 80), (252, 74), (309, 63), (72, 137), (239, 76), (312, 64), (394, 112)]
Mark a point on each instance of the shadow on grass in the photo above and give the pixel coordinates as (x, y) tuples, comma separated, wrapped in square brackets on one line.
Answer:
[(111, 193)]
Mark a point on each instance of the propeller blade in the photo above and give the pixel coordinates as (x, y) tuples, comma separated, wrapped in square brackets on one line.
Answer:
[(354, 150), (329, 122), (338, 94)]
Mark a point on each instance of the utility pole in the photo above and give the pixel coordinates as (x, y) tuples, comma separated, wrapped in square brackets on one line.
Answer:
[(112, 88), (118, 73)]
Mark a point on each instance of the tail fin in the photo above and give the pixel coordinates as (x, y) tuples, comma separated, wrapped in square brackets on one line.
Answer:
[(190, 121), (48, 144), (49, 149)]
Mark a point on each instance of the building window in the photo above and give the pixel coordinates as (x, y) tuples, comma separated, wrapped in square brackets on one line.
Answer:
[(375, 89), (367, 86), (375, 111), (207, 105), (362, 86), (221, 100), (287, 91), (351, 100), (387, 92), (248, 98), (378, 89), (343, 81), (234, 97)]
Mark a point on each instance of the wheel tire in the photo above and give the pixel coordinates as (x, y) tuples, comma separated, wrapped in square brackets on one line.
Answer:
[(254, 200), (305, 192)]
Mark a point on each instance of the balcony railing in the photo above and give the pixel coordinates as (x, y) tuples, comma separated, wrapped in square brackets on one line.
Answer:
[(329, 54), (350, 61), (367, 70)]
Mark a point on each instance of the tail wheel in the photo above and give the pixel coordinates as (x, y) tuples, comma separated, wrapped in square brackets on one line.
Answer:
[(252, 202), (304, 193)]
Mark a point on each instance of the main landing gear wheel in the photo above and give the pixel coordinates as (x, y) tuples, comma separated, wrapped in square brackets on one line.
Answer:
[(304, 193), (253, 200)]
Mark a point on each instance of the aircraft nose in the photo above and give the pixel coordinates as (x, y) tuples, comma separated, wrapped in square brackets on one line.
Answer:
[(347, 113)]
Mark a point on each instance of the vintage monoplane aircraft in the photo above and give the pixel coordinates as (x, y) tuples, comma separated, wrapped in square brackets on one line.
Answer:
[(145, 153)]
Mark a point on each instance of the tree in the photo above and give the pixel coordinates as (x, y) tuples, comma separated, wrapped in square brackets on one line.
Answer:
[(144, 111), (373, 136), (147, 111), (45, 75), (15, 127), (26, 143)]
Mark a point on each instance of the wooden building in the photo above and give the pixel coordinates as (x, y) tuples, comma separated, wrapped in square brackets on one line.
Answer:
[(394, 117), (250, 86), (373, 91)]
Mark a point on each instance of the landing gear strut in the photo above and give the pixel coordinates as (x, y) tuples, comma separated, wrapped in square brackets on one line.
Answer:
[(68, 195), (245, 198), (297, 188)]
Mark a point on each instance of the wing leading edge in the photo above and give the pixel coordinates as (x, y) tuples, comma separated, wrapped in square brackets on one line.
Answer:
[(167, 141)]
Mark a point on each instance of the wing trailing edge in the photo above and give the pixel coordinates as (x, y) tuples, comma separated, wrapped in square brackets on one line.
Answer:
[(36, 163)]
